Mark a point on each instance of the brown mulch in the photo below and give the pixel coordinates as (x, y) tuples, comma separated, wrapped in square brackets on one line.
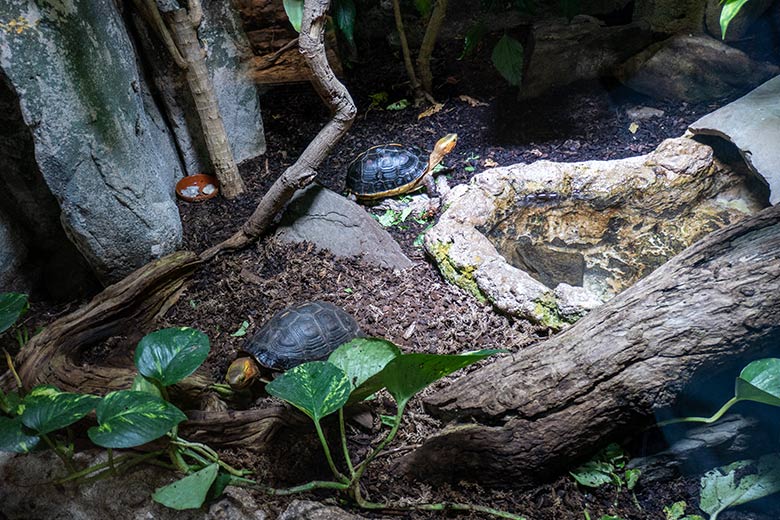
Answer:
[(415, 308)]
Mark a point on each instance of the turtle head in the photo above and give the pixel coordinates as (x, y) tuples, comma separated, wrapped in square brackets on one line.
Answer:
[(241, 373), (446, 144), (442, 148)]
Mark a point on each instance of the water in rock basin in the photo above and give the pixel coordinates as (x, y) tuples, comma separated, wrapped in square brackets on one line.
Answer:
[(586, 243)]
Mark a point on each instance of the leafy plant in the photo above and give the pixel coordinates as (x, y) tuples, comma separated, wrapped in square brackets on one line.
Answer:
[(343, 13), (729, 10), (676, 511), (12, 307), (125, 419), (353, 372), (607, 467), (722, 488), (507, 58), (759, 381)]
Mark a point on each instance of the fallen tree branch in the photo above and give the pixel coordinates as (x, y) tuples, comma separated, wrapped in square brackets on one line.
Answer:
[(534, 414), (333, 93)]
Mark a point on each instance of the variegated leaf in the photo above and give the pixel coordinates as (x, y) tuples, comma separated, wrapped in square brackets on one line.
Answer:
[(127, 418), (317, 388)]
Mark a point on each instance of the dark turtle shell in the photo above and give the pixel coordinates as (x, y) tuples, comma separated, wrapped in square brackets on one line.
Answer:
[(386, 170), (305, 332)]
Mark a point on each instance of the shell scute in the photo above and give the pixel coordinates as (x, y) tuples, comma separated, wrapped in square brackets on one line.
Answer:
[(386, 167), (305, 332)]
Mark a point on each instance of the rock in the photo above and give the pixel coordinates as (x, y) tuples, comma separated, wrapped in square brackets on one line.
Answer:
[(693, 68), (102, 498), (643, 113), (34, 251), (732, 438), (100, 144), (740, 24), (752, 123), (562, 52), (308, 510), (227, 55), (13, 253), (339, 225), (671, 16), (550, 241)]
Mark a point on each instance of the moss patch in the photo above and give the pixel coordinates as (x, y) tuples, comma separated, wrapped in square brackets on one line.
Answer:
[(462, 278), (547, 313)]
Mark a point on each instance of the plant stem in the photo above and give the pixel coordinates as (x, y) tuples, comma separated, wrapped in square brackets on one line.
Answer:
[(178, 460), (336, 472), (11, 367), (117, 461), (343, 433), (363, 465), (439, 506), (205, 451), (309, 486), (399, 24), (427, 45), (56, 449), (707, 420)]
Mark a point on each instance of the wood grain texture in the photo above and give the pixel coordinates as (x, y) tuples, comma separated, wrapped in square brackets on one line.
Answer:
[(533, 414)]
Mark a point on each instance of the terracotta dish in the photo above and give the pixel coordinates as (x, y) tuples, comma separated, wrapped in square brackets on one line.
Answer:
[(198, 187)]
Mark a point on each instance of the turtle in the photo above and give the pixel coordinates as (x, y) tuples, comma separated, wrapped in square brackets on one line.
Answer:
[(392, 169), (305, 332)]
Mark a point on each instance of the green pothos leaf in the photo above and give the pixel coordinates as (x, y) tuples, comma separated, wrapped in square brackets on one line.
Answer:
[(12, 307), (730, 9), (13, 437), (127, 418), (344, 12), (49, 409), (294, 10), (760, 381), (721, 488), (169, 355), (507, 57), (189, 492), (317, 388)]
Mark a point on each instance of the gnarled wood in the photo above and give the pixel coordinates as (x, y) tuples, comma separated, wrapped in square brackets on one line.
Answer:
[(531, 415), (52, 356), (333, 93)]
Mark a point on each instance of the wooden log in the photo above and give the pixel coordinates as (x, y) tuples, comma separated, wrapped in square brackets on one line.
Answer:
[(277, 60), (53, 356), (540, 411)]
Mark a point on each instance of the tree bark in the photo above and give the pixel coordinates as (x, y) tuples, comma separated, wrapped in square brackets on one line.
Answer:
[(429, 42), (184, 30), (53, 356), (333, 93), (533, 414)]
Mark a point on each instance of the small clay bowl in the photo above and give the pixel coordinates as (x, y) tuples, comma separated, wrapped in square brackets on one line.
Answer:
[(191, 188)]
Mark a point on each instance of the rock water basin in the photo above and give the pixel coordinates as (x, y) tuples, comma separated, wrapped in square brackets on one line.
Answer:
[(550, 241)]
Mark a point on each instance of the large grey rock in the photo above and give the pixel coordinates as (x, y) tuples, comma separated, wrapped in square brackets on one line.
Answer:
[(13, 253), (227, 54), (34, 251), (671, 16), (740, 24), (732, 438), (693, 68), (308, 510), (100, 144), (128, 496), (563, 52), (752, 123), (550, 241), (341, 226)]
